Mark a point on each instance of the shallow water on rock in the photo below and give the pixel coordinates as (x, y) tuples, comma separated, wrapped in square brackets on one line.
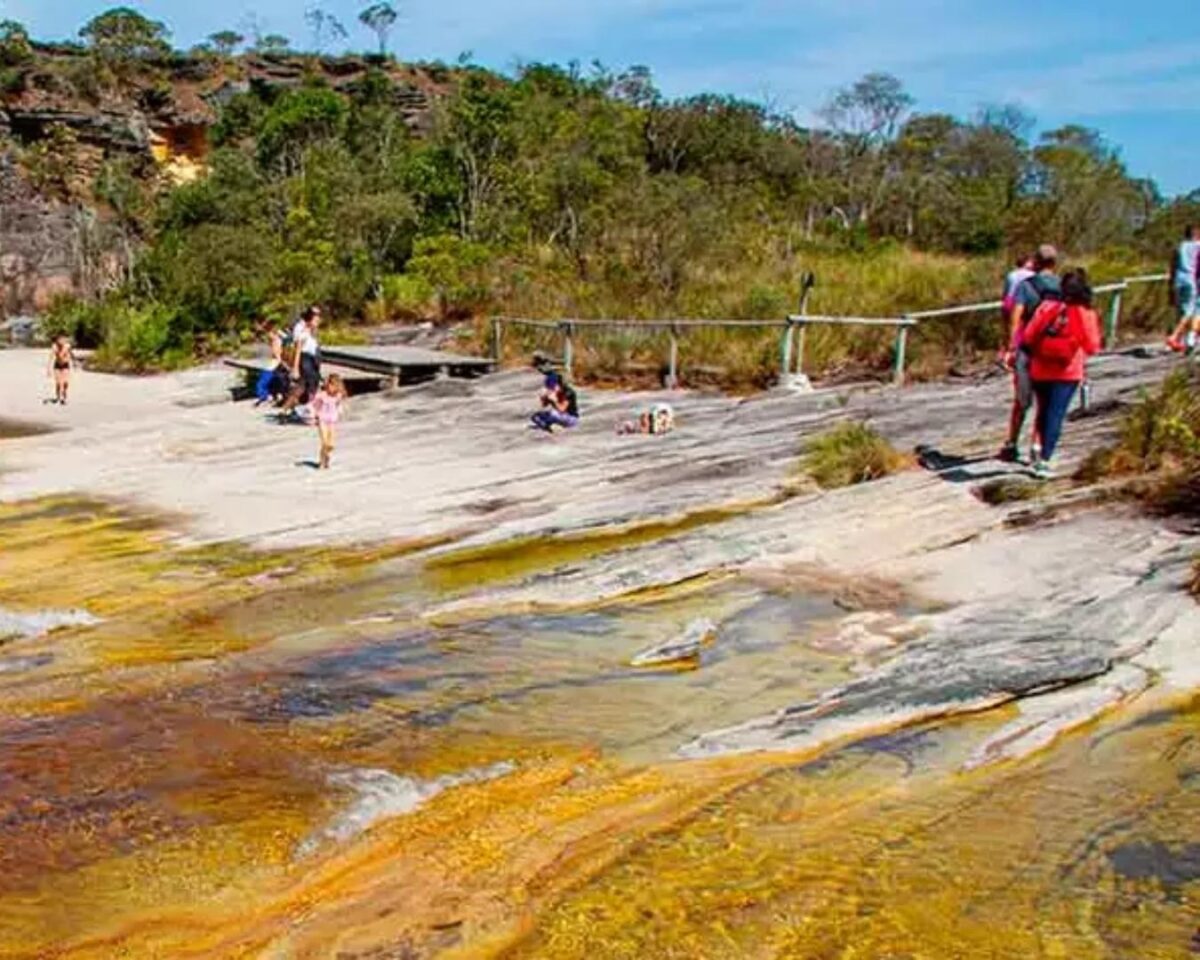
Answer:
[(247, 754)]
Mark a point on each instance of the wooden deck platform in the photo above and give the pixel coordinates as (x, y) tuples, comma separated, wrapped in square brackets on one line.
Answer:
[(255, 366), (405, 364), (357, 381)]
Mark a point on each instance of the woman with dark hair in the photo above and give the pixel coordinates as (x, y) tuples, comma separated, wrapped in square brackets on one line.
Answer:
[(1059, 339), (560, 405)]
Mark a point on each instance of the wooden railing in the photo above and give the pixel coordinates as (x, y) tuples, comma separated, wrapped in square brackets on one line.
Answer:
[(795, 328)]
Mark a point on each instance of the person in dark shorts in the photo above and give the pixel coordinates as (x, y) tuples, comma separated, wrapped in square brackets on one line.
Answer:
[(1029, 295), (1185, 292), (306, 359), (62, 359)]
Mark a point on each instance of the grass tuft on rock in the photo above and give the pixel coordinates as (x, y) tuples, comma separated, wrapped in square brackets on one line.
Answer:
[(1159, 448), (996, 493), (851, 453)]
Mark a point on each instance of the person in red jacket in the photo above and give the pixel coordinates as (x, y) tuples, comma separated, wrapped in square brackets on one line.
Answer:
[(1059, 339)]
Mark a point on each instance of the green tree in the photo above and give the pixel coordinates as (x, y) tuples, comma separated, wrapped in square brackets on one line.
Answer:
[(15, 48), (456, 269), (297, 120), (273, 44), (866, 117), (380, 18), (122, 34), (1080, 195), (475, 129), (225, 42)]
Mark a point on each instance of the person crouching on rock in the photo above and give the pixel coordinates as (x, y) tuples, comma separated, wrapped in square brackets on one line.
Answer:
[(275, 382), (327, 411), (1059, 339), (560, 405)]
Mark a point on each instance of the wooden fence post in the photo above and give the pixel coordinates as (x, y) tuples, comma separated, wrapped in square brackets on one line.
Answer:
[(1114, 319), (568, 348), (673, 368), (901, 348), (785, 363), (806, 286), (497, 333)]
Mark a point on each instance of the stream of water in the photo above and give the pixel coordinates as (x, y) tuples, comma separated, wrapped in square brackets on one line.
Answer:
[(213, 752)]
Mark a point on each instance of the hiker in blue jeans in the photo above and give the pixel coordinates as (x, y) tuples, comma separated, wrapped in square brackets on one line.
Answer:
[(1059, 339), (560, 405)]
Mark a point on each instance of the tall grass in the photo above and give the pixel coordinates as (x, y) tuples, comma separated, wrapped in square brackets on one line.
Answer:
[(1159, 447), (850, 453), (886, 280)]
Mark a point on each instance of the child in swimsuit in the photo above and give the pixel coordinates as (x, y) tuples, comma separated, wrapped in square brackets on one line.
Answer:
[(61, 360), (327, 411)]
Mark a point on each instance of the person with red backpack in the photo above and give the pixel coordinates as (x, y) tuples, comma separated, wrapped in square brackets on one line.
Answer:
[(1058, 340)]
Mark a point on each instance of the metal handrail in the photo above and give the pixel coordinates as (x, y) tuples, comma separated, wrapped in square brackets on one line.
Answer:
[(794, 323)]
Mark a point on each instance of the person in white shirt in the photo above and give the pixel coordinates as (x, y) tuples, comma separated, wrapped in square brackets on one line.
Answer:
[(306, 359), (306, 365)]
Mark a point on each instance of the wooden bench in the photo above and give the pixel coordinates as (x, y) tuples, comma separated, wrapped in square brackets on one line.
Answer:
[(357, 381)]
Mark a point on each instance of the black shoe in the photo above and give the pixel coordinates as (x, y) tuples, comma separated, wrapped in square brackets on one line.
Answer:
[(1009, 454)]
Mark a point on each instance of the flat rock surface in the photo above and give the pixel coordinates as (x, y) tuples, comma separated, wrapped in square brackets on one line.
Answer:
[(433, 459), (1074, 608)]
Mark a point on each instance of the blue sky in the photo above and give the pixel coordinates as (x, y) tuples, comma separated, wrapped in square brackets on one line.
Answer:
[(1131, 72)]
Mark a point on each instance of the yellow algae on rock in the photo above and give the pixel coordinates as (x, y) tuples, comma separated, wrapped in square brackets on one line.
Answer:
[(205, 773)]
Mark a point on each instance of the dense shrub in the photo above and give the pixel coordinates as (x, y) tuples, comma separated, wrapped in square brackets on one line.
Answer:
[(82, 322), (141, 338)]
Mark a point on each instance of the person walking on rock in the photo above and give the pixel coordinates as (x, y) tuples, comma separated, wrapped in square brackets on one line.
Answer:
[(1022, 271), (327, 405), (306, 359), (1185, 292), (62, 359), (1027, 298), (1058, 340)]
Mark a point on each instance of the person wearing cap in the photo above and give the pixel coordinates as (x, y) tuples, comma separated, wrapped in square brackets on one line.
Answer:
[(560, 405), (1043, 285)]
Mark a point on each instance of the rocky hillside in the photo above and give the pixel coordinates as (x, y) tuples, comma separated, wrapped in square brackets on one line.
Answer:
[(62, 116)]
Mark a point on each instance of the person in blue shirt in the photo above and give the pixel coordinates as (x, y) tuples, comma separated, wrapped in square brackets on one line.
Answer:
[(1185, 291)]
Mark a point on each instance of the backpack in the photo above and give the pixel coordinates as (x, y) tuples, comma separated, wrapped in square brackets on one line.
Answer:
[(572, 400), (1057, 344), (1044, 292)]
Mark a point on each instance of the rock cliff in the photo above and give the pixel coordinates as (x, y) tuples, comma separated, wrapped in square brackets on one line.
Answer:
[(52, 229)]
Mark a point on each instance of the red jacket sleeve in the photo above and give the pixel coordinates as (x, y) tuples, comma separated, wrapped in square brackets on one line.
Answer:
[(1087, 333)]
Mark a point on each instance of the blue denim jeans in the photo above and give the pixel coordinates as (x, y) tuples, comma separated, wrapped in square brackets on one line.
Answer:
[(1053, 403), (548, 419)]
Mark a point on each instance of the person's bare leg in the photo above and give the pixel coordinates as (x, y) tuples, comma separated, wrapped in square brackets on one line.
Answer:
[(326, 435), (1175, 340), (1016, 422)]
